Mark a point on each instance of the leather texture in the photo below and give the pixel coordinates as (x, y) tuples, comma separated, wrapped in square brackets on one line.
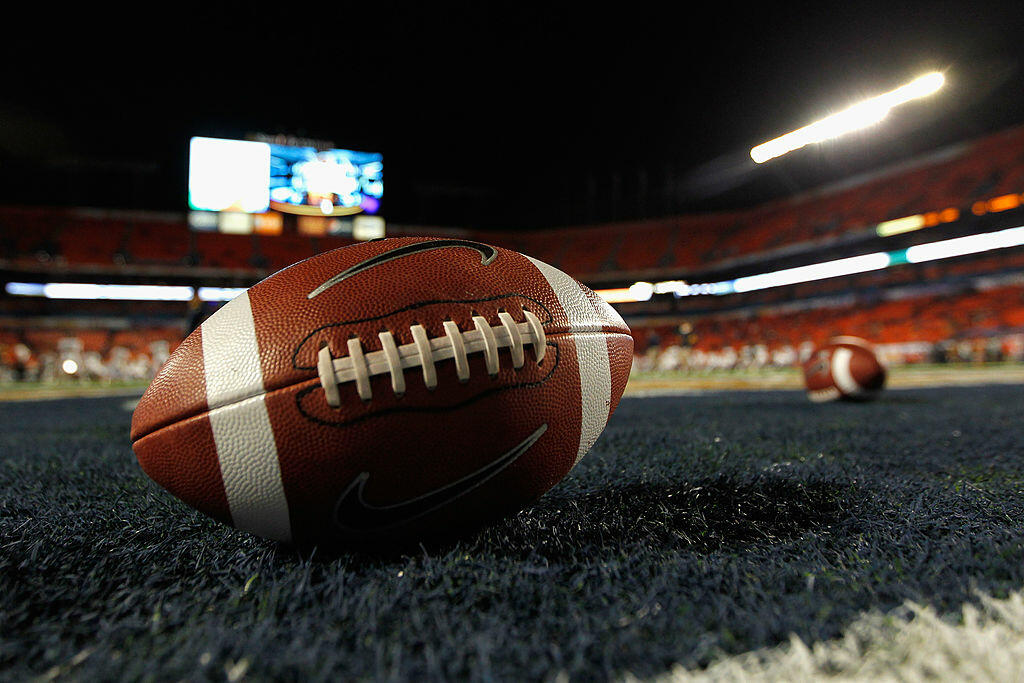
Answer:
[(236, 423)]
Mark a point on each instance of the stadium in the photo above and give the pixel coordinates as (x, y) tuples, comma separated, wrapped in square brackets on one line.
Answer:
[(840, 173)]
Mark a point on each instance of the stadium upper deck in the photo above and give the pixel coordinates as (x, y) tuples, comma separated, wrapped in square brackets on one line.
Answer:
[(940, 187)]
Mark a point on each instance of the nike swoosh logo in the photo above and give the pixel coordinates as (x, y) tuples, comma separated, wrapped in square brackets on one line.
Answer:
[(353, 514), (487, 256)]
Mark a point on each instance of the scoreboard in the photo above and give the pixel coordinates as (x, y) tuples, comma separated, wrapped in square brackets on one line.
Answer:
[(273, 184)]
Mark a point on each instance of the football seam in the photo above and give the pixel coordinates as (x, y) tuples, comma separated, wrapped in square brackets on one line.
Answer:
[(420, 304), (316, 381), (423, 409)]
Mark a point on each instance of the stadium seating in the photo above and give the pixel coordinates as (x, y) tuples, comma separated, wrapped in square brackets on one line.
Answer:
[(647, 246), (92, 240), (897, 305), (158, 242), (224, 251), (322, 244), (29, 234), (930, 319), (957, 178), (280, 251), (589, 250)]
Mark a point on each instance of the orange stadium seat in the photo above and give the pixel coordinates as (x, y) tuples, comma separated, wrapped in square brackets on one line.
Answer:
[(645, 246), (991, 166), (548, 246), (158, 242), (93, 241), (280, 251), (693, 236), (224, 251), (27, 232), (323, 244), (920, 319), (587, 252)]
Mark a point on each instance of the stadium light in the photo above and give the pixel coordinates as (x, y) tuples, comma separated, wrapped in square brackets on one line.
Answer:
[(673, 286), (76, 290), (638, 291), (961, 246), (85, 291), (641, 291), (219, 293), (25, 288), (951, 248), (817, 271), (943, 249), (898, 226), (618, 295), (860, 115)]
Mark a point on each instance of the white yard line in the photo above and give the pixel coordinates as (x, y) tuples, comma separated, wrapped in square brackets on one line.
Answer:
[(982, 643)]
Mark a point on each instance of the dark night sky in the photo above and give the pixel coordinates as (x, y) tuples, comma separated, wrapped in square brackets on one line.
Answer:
[(494, 117)]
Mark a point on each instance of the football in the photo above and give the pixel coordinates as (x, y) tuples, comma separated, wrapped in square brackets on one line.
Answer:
[(846, 368), (393, 388)]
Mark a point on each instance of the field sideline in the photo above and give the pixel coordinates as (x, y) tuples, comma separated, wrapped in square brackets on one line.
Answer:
[(899, 377), (640, 384)]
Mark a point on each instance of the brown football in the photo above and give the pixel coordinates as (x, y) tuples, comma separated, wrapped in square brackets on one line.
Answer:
[(394, 387)]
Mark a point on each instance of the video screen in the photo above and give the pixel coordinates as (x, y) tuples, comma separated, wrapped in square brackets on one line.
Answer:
[(335, 182), (256, 177), (228, 175)]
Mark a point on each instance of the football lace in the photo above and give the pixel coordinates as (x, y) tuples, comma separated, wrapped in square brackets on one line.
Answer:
[(424, 352)]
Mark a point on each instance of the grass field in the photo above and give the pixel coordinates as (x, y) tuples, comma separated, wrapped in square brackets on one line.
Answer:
[(714, 532)]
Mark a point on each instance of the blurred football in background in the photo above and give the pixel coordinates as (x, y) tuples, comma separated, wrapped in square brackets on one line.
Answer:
[(846, 368)]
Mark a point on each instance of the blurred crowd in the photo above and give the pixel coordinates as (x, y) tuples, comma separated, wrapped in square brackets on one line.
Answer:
[(69, 358), (677, 357)]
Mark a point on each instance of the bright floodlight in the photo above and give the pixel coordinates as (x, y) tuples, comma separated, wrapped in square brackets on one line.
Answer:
[(861, 115), (817, 271)]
